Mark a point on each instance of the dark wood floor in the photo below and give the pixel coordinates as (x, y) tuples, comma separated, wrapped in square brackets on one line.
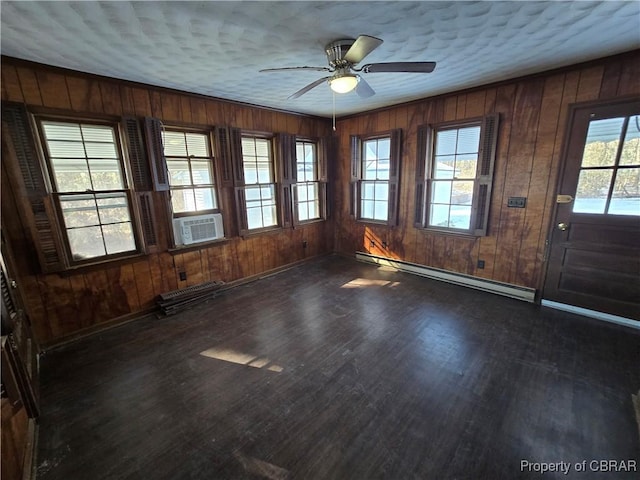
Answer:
[(341, 370)]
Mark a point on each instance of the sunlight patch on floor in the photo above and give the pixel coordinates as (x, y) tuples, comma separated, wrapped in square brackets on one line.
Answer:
[(369, 282), (239, 358)]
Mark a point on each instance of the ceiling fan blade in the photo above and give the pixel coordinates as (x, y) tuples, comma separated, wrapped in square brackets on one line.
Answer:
[(362, 47), (304, 90), (363, 89), (411, 67), (282, 69)]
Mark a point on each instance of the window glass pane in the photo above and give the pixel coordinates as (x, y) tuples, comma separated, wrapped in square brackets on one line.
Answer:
[(439, 215), (101, 150), (250, 174), (248, 146), (462, 193), (197, 145), (252, 194), (269, 215), (631, 148), (384, 146), (441, 192), (367, 190), (302, 193), (98, 133), (602, 142), (174, 144), (118, 238), (383, 170), (182, 200), (264, 172), (201, 171), (366, 208), (106, 174), (254, 217), (592, 191), (381, 191), (62, 131), (460, 217), (446, 142), (466, 166), (381, 210), (309, 153), (205, 198), (71, 175), (314, 209), (626, 192), (468, 140), (178, 172), (66, 149), (445, 167), (86, 242), (370, 170), (262, 148), (302, 212), (113, 208), (79, 211), (300, 152), (370, 150)]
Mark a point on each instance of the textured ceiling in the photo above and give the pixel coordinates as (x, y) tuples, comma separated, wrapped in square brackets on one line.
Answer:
[(217, 48)]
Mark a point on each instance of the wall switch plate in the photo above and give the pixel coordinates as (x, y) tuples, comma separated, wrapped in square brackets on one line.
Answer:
[(517, 202), (183, 276), (480, 263)]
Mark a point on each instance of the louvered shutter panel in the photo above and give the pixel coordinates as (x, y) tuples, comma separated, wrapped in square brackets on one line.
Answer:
[(486, 162), (326, 153), (356, 166), (18, 142), (143, 181), (287, 158), (235, 149), (288, 175), (421, 163), (223, 154), (155, 149), (394, 176)]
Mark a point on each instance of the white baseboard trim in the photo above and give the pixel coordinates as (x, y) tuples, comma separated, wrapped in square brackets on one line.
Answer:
[(499, 288), (607, 317)]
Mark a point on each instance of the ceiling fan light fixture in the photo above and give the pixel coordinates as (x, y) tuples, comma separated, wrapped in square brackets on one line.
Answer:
[(344, 83)]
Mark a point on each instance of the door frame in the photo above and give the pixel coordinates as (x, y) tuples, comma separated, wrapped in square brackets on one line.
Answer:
[(570, 121)]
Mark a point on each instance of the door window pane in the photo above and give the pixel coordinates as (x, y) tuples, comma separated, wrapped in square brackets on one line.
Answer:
[(602, 142), (592, 192)]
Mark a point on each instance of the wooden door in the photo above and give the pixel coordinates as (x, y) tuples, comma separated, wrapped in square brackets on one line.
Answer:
[(594, 253)]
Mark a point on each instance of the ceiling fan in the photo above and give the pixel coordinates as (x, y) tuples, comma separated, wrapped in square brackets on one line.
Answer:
[(343, 56)]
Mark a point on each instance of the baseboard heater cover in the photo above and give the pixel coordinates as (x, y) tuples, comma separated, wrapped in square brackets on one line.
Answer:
[(491, 286), (607, 317)]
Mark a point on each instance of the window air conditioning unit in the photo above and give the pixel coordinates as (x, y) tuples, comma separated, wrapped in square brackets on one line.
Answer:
[(199, 228)]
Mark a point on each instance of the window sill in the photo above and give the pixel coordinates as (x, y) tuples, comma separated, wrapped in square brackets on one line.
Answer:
[(382, 223), (101, 264), (261, 231), (449, 233), (309, 222), (197, 246)]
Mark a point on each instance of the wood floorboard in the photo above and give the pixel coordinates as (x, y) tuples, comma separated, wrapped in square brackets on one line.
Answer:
[(341, 370)]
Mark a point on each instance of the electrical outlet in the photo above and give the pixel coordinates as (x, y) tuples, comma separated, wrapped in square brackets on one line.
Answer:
[(183, 276), (372, 244), (480, 263), (304, 244), (517, 202)]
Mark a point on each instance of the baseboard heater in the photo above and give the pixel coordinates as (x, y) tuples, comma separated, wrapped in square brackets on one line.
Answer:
[(499, 288)]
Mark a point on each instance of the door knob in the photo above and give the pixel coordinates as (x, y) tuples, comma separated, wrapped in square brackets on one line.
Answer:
[(563, 226)]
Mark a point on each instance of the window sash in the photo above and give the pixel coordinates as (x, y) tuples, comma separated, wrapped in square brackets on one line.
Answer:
[(453, 177), (89, 189), (191, 172)]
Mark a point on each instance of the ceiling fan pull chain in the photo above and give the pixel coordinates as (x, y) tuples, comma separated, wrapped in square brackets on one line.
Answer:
[(334, 110)]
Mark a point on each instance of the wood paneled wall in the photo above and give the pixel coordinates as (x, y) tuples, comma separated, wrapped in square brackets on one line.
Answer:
[(60, 305), (533, 115)]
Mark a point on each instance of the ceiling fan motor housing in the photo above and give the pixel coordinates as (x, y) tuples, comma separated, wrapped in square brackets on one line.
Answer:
[(336, 51)]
